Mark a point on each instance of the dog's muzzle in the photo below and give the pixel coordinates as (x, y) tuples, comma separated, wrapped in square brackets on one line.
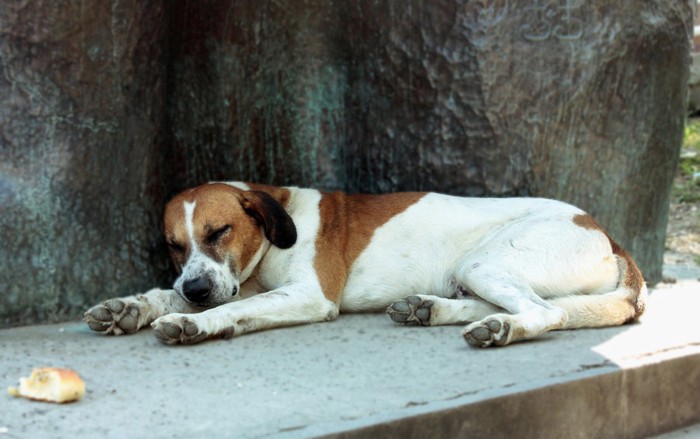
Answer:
[(199, 290)]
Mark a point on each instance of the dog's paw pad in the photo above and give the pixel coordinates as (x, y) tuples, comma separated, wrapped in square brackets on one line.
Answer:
[(113, 317), (167, 332), (129, 319), (115, 305), (487, 332), (411, 311), (177, 330)]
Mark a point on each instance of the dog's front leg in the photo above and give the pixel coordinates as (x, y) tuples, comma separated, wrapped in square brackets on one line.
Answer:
[(126, 315), (286, 306)]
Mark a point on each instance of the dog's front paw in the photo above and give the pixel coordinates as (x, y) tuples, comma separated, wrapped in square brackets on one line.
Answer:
[(116, 317), (492, 330), (411, 311), (178, 329)]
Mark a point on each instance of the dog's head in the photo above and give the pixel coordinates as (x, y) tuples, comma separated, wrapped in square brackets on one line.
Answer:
[(217, 234)]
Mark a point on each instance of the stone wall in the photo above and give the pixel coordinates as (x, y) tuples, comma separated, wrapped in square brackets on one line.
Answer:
[(82, 131), (109, 108)]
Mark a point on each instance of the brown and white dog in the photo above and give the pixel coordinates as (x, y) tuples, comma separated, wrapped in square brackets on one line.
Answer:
[(252, 256)]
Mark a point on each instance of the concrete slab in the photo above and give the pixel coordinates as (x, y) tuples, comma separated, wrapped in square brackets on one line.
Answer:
[(362, 375), (689, 432)]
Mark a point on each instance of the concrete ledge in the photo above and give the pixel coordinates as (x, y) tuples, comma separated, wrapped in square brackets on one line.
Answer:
[(363, 376), (627, 403)]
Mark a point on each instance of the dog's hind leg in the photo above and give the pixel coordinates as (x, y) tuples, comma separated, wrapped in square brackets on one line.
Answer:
[(426, 310), (587, 279), (624, 304), (600, 310), (126, 315), (530, 315)]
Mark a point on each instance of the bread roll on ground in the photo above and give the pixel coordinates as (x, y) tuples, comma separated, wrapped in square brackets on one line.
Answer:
[(50, 384)]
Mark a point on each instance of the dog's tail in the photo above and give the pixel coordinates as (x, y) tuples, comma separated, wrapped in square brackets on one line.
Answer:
[(624, 304)]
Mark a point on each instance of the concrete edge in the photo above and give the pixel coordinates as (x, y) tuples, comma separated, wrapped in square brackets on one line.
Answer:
[(655, 396)]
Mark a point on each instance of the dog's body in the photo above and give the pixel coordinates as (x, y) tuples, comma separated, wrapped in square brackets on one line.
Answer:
[(253, 256)]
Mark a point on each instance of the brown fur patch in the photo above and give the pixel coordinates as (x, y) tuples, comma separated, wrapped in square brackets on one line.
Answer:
[(218, 205), (174, 230), (633, 278), (280, 194), (587, 222), (347, 225)]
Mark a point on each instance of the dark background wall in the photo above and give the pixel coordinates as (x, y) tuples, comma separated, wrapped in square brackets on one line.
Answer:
[(109, 108), (82, 130)]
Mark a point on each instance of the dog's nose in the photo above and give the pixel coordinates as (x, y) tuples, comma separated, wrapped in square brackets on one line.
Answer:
[(197, 290)]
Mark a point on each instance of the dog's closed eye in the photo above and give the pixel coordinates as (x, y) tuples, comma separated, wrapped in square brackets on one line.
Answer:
[(214, 236), (175, 247)]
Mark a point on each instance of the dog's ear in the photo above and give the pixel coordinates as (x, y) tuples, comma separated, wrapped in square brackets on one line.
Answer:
[(278, 225)]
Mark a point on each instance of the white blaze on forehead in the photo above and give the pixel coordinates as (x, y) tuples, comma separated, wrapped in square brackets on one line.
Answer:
[(189, 222)]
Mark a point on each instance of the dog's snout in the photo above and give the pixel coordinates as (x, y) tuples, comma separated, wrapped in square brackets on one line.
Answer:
[(197, 290)]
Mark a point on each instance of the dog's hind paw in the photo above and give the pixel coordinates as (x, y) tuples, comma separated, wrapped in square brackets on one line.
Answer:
[(487, 332), (115, 317), (411, 311), (178, 329)]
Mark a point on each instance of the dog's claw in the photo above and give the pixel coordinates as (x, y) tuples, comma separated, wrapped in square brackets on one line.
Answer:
[(97, 325), (411, 311)]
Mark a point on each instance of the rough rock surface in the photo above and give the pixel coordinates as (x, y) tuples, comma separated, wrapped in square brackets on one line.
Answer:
[(580, 101), (108, 108), (81, 105)]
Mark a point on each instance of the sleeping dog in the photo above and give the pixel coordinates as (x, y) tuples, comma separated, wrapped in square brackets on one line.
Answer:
[(252, 256)]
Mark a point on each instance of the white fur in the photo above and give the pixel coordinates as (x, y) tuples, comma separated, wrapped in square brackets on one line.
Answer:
[(189, 224), (238, 184), (430, 248), (514, 253), (252, 265)]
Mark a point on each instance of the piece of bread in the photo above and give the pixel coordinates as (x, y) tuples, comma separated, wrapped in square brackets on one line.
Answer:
[(50, 384)]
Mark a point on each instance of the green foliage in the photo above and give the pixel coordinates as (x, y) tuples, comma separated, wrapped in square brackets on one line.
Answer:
[(687, 186)]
